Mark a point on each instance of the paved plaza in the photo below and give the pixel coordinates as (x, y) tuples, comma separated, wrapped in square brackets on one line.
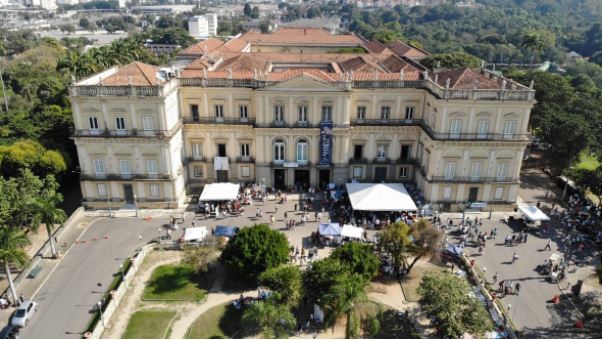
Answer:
[(68, 295)]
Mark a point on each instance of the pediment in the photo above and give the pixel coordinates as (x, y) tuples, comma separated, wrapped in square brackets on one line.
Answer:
[(304, 83)]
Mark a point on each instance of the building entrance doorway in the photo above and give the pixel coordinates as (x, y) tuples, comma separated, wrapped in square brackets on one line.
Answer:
[(473, 194), (302, 178), (380, 174), (279, 178), (324, 177), (222, 175), (128, 194)]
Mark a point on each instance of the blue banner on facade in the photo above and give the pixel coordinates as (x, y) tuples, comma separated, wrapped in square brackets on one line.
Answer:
[(326, 144)]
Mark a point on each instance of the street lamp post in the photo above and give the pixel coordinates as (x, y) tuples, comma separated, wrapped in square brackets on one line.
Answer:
[(100, 310), (109, 204), (159, 233), (140, 241), (100, 288), (121, 269), (136, 205)]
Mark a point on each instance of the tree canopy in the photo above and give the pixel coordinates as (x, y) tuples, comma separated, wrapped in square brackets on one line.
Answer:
[(254, 250), (359, 258), (451, 60), (445, 299), (284, 281)]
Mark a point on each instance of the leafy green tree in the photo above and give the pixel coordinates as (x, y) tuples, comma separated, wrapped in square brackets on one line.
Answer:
[(247, 10), (451, 60), (199, 258), (12, 241), (342, 299), (16, 197), (45, 211), (267, 319), (445, 299), (360, 258), (28, 154), (286, 282), (254, 250), (407, 245), (321, 276), (255, 12), (386, 35)]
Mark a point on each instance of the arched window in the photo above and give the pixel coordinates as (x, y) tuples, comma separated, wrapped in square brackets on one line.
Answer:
[(279, 150), (302, 151)]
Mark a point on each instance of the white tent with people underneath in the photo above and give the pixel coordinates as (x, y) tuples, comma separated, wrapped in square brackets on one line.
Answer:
[(352, 232), (533, 214), (220, 192), (380, 197)]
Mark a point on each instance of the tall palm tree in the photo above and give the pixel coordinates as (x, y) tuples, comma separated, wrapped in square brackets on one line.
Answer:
[(342, 299), (272, 321), (12, 241), (534, 42), (69, 62), (45, 211)]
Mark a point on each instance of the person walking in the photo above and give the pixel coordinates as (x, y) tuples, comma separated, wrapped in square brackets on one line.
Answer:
[(525, 237), (548, 245), (271, 219), (21, 298), (517, 286), (515, 257), (495, 278)]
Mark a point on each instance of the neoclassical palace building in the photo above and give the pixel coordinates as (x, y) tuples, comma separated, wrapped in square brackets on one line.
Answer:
[(298, 107)]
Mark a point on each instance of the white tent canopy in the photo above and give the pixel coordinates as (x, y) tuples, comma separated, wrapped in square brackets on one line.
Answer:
[(219, 192), (533, 213), (351, 231), (194, 234), (329, 229), (380, 197)]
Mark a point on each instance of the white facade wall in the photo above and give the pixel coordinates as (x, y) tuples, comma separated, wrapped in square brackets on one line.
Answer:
[(198, 27)]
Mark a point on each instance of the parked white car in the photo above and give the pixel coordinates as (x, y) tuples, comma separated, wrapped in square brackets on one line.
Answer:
[(24, 313)]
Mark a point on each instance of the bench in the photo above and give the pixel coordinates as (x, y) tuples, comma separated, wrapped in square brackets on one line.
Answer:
[(34, 272)]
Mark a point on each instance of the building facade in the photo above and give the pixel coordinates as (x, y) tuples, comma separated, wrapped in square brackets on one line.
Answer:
[(203, 26), (292, 120)]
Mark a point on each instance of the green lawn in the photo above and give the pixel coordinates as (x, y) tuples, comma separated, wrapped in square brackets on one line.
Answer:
[(220, 322), (148, 324), (587, 162), (174, 282)]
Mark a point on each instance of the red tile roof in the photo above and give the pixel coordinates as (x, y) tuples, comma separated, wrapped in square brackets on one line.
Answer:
[(136, 74), (202, 47), (405, 50), (466, 79)]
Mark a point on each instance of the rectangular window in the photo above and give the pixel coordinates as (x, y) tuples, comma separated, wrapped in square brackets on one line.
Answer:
[(124, 167), (358, 151), (409, 112), (147, 123), (327, 113), (447, 193), (385, 112), (501, 171), (221, 150), (120, 123), (302, 152), (279, 152), (93, 121), (361, 112), (476, 171), (245, 171), (509, 131), (198, 171), (403, 172), (195, 112), (102, 189), (357, 172), (483, 125), (498, 194), (243, 112), (279, 112), (152, 167), (455, 128), (302, 114), (197, 150), (219, 111), (154, 190), (405, 152), (245, 150), (449, 170), (381, 151), (99, 167)]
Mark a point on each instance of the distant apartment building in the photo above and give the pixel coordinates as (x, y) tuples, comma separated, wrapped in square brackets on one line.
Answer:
[(203, 26), (45, 4), (68, 2), (285, 110)]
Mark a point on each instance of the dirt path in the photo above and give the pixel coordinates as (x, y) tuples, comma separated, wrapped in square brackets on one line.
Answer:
[(132, 298)]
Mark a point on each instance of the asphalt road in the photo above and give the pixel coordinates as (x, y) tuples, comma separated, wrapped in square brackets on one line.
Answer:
[(67, 299)]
